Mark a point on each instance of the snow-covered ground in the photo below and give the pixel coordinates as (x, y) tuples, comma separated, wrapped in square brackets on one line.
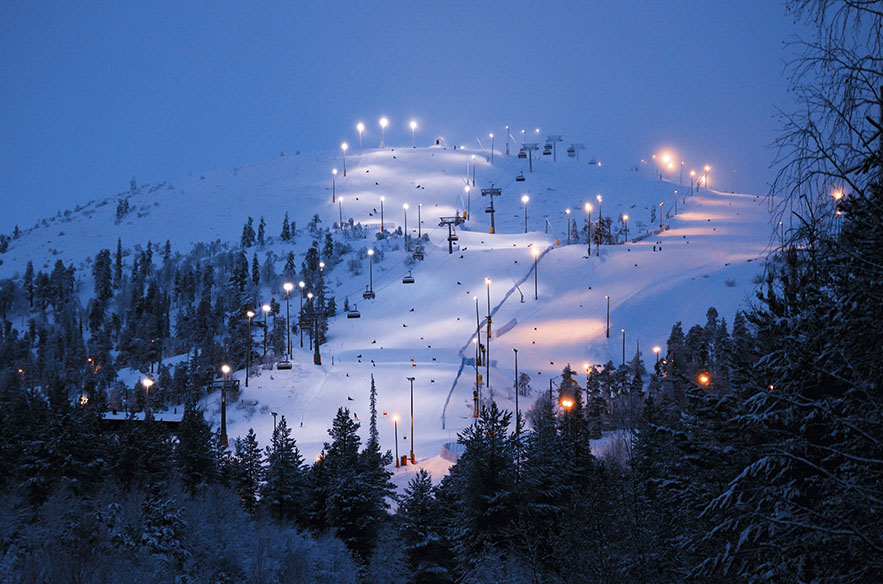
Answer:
[(709, 256)]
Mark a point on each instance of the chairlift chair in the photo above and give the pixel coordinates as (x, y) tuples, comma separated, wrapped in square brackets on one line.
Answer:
[(368, 294), (286, 364), (547, 150), (522, 154), (454, 237), (409, 279), (520, 177), (417, 255), (353, 313), (571, 152)]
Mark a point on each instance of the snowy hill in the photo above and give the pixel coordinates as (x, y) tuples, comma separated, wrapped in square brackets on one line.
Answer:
[(708, 256)]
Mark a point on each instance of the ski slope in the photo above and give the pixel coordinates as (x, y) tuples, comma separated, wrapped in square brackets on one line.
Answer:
[(709, 255)]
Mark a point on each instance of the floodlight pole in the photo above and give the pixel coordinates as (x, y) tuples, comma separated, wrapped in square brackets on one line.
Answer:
[(411, 379)]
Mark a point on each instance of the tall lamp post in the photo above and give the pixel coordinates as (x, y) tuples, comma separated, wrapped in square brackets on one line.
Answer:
[(344, 147), (487, 282), (395, 422), (517, 412), (413, 125), (419, 222), (250, 315), (405, 207), (340, 213), (623, 346), (567, 213), (381, 213), (300, 327), (468, 203), (492, 148), (383, 124), (525, 199), (600, 226), (588, 208), (146, 383), (371, 273), (361, 128), (625, 219), (656, 350), (310, 312), (288, 286), (536, 255), (333, 185), (222, 437), (411, 379), (266, 308), (608, 316)]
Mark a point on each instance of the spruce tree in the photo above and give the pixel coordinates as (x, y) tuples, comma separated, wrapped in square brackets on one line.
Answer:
[(248, 470), (284, 491), (194, 452)]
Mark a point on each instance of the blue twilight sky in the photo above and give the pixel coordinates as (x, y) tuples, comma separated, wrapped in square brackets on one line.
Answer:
[(92, 93)]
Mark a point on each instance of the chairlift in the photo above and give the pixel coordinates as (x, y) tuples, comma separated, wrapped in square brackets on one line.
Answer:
[(489, 210), (547, 150), (417, 255), (520, 177), (409, 279), (368, 294), (571, 152), (522, 154), (286, 364), (353, 313), (454, 237)]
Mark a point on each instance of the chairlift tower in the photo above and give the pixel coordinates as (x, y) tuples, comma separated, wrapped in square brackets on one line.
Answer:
[(574, 150), (491, 192), (553, 139), (531, 147), (451, 222)]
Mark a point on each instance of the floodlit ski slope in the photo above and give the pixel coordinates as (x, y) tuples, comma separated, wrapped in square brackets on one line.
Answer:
[(708, 257)]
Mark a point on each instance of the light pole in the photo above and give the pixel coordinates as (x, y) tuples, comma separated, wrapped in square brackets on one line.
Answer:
[(676, 201), (146, 383), (274, 414), (405, 207), (567, 212), (310, 312), (517, 415), (333, 185), (413, 125), (522, 137), (707, 168), (608, 316), (682, 173), (340, 213), (492, 148), (222, 437), (525, 199), (381, 213), (589, 229), (536, 254), (656, 350), (250, 315), (288, 286), (473, 170), (344, 146), (600, 213), (383, 124), (266, 309), (660, 214), (623, 346), (419, 222), (361, 128), (411, 379), (487, 281), (692, 177), (300, 327), (507, 140), (395, 423), (625, 219), (477, 340), (371, 272), (468, 204)]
